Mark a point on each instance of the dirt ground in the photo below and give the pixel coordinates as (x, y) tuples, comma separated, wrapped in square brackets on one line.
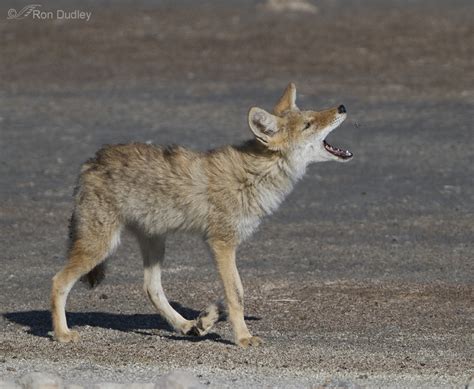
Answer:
[(363, 277)]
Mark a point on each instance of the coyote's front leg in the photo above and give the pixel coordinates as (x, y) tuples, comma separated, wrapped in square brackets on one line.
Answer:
[(224, 254)]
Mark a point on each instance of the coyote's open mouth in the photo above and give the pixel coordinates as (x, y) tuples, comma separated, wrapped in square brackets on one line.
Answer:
[(337, 152), (344, 154)]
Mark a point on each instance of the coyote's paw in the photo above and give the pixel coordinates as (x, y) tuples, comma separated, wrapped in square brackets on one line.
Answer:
[(194, 330), (251, 341), (187, 327), (66, 337), (205, 321)]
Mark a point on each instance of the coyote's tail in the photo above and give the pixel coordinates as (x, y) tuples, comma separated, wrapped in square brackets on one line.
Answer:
[(97, 274)]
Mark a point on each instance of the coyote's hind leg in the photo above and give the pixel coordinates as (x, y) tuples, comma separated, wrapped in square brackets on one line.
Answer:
[(90, 247)]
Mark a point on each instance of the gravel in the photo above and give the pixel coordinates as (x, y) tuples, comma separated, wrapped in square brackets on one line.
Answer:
[(363, 277)]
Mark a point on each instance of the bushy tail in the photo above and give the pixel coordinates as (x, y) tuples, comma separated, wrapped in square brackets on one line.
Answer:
[(95, 276)]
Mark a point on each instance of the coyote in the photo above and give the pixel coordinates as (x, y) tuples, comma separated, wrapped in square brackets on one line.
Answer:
[(221, 194)]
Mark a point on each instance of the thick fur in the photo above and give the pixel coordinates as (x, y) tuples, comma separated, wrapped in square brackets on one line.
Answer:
[(221, 194)]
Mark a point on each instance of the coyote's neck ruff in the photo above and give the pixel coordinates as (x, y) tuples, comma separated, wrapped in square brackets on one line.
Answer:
[(221, 194), (252, 181)]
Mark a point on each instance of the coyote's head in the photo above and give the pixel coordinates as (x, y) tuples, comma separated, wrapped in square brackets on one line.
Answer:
[(300, 134)]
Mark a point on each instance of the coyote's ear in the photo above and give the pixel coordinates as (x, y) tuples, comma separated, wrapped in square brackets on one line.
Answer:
[(287, 102), (263, 124)]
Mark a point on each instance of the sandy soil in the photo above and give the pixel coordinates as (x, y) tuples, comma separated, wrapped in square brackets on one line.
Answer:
[(364, 276)]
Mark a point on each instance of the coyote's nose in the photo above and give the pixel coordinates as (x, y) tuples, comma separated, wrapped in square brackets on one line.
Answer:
[(341, 109)]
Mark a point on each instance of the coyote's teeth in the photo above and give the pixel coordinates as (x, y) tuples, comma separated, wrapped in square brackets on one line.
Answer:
[(337, 151)]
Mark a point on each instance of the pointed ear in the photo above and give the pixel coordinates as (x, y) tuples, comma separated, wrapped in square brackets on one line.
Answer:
[(287, 101), (263, 124)]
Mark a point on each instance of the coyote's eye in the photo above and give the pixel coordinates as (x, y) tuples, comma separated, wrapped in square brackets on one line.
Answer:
[(307, 125)]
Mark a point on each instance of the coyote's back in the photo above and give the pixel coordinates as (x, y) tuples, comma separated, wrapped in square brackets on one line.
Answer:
[(157, 189)]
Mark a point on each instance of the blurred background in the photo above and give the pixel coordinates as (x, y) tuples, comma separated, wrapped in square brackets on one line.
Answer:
[(392, 230)]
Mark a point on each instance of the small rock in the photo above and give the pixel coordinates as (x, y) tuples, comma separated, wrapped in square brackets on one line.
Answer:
[(113, 385), (9, 385), (335, 383), (470, 383), (290, 6), (39, 380), (178, 380), (451, 189)]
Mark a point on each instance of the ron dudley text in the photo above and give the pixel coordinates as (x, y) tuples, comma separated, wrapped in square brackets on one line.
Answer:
[(62, 15)]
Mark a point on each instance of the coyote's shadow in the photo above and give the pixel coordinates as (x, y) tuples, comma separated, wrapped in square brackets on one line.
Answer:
[(39, 322)]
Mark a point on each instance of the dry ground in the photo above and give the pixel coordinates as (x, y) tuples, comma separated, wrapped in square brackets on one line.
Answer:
[(364, 276)]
